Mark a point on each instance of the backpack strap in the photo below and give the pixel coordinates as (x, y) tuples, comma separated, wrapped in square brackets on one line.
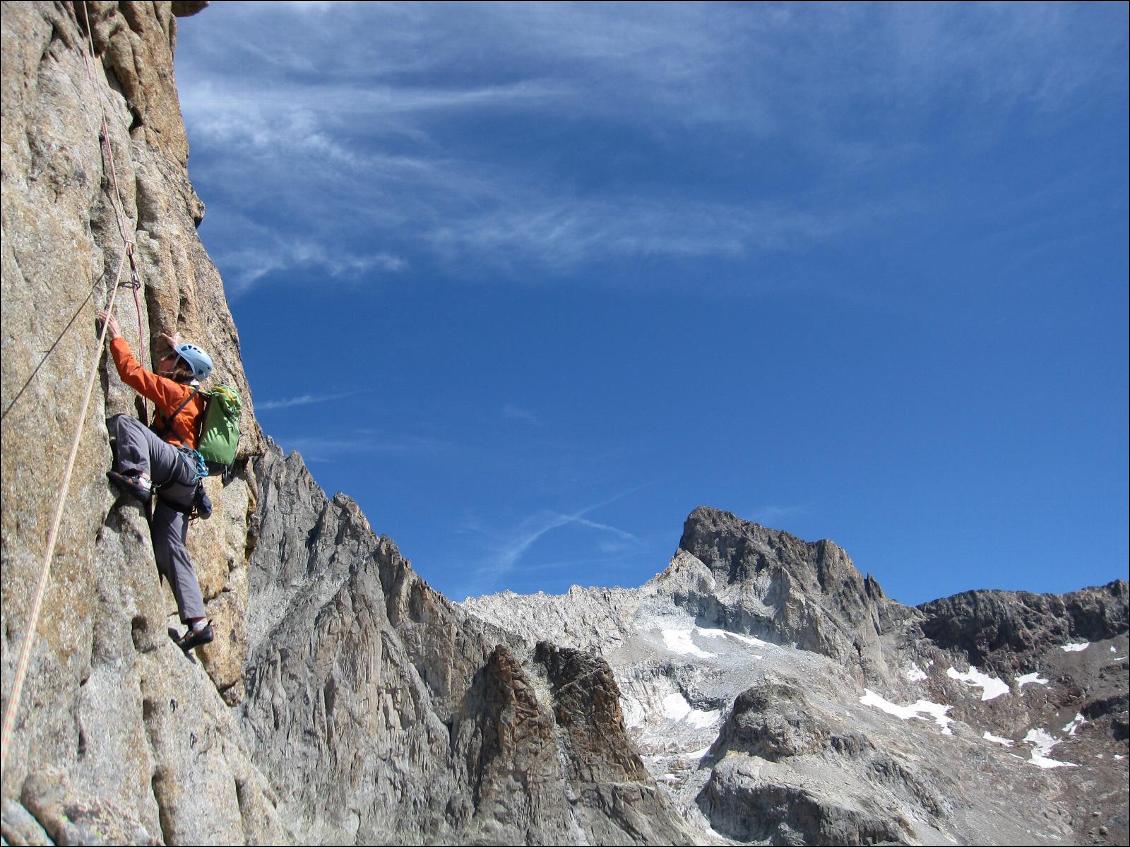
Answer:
[(163, 433)]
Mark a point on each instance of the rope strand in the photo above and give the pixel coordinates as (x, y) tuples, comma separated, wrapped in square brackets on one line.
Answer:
[(116, 203), (29, 640), (50, 350), (12, 709)]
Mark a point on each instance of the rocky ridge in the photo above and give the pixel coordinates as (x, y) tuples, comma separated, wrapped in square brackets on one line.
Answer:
[(388, 714)]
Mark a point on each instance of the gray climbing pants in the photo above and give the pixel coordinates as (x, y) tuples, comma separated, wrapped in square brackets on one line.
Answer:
[(139, 450)]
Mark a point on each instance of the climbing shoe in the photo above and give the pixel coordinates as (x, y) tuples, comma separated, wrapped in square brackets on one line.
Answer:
[(139, 486), (195, 638)]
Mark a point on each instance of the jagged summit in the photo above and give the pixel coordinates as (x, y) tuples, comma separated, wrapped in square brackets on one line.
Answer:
[(709, 522), (741, 549), (741, 576)]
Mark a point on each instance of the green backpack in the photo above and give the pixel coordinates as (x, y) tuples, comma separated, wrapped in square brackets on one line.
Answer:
[(219, 433)]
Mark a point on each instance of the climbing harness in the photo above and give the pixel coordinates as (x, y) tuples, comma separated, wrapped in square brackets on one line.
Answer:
[(16, 690), (196, 462)]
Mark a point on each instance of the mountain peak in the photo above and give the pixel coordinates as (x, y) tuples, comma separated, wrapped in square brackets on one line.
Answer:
[(773, 585), (738, 550)]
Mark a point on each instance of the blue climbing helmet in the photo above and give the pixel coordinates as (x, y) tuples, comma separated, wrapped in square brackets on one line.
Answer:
[(197, 359)]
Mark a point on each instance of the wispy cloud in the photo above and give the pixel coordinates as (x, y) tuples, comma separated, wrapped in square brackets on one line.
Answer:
[(305, 400), (621, 535), (263, 250), (335, 448), (514, 412), (554, 235), (366, 157), (507, 549)]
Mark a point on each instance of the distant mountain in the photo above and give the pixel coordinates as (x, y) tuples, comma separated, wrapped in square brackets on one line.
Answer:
[(782, 698)]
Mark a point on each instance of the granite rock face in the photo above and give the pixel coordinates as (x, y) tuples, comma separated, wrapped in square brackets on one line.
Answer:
[(140, 734), (772, 722)]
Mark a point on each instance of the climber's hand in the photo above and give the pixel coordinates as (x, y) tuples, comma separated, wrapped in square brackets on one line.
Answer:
[(112, 328)]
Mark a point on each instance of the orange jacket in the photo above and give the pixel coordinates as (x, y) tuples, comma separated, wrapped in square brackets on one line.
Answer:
[(165, 393)]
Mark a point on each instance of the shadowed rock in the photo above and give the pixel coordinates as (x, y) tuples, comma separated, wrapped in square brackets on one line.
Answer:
[(748, 807), (1001, 629), (772, 721)]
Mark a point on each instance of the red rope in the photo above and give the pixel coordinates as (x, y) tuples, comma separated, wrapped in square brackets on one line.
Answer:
[(135, 277)]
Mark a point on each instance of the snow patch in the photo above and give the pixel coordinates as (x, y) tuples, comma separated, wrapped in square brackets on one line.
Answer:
[(1075, 648), (1076, 722), (1042, 744), (996, 739), (990, 685), (702, 720), (934, 710), (679, 641), (914, 673), (1035, 677), (733, 636), (676, 708)]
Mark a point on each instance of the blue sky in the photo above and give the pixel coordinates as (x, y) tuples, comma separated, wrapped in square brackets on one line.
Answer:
[(531, 282)]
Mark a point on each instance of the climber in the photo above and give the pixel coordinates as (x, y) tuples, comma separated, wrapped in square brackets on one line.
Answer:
[(165, 462)]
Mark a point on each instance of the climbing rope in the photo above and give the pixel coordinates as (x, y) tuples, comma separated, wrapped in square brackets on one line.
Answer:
[(134, 282), (29, 640), (12, 708), (51, 349), (116, 197)]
